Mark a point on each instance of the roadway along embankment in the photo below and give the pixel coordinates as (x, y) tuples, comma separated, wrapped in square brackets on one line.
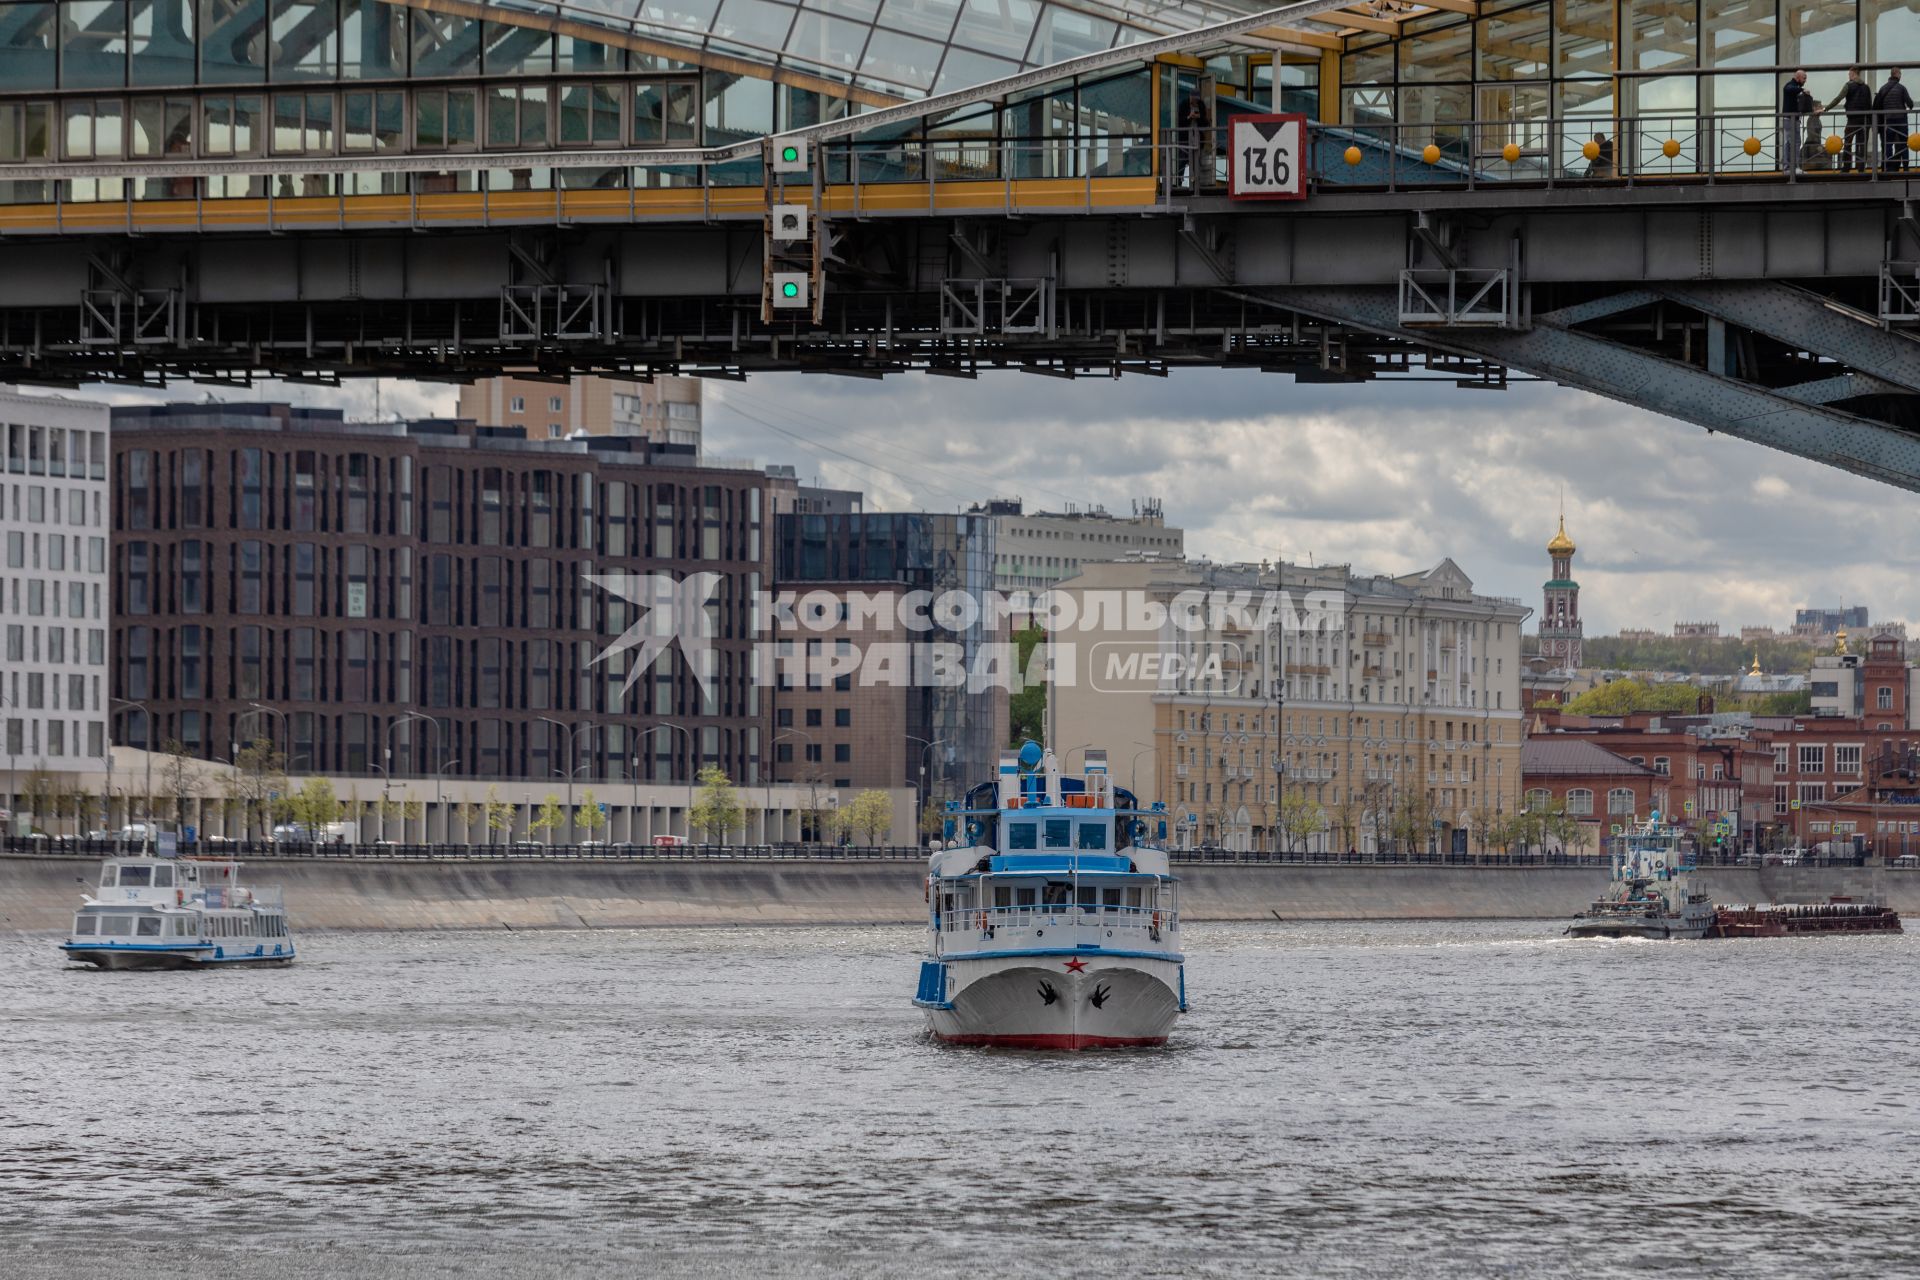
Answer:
[(40, 894)]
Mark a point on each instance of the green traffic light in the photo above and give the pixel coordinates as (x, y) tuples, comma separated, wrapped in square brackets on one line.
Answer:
[(790, 155), (789, 290)]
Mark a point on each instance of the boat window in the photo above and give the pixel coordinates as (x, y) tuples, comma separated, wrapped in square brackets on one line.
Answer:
[(149, 926), (106, 876), (1133, 897), (1059, 893), (85, 924), (1003, 895), (1021, 835), (1059, 833), (1114, 898), (1026, 896), (1089, 897), (132, 877), (163, 877), (116, 924), (1093, 835), (182, 926)]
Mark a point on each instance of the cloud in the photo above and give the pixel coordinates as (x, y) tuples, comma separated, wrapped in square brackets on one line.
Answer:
[(1671, 522)]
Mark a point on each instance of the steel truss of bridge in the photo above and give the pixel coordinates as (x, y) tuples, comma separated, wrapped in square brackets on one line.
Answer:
[(1779, 314)]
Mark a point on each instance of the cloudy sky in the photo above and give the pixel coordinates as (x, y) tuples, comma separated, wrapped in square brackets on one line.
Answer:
[(1671, 522)]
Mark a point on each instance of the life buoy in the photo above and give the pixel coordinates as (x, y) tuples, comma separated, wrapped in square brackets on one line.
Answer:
[(1156, 922), (983, 922)]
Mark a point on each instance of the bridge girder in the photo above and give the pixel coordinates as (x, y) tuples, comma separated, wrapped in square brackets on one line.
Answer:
[(1553, 349), (1754, 321)]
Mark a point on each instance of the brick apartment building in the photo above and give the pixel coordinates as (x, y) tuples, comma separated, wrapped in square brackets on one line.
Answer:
[(281, 573)]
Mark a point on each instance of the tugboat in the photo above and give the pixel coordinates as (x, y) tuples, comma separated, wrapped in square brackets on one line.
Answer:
[(178, 913), (1053, 917), (1651, 893)]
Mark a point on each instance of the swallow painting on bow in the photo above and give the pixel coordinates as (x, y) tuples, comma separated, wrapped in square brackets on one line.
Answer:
[(1047, 994), (1100, 996)]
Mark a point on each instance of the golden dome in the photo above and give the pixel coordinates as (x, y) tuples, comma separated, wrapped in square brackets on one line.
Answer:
[(1561, 545)]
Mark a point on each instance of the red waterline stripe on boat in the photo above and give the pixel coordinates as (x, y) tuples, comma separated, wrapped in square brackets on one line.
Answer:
[(1056, 1041)]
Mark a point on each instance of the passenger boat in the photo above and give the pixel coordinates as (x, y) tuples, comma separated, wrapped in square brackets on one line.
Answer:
[(178, 913), (1053, 918), (1652, 891)]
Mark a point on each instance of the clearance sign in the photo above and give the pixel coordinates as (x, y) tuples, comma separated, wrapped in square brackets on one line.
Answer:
[(1266, 157)]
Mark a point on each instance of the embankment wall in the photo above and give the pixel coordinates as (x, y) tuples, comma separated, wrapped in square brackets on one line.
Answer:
[(39, 894)]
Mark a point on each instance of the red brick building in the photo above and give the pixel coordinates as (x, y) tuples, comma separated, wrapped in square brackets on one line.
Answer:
[(1706, 770), (1591, 783)]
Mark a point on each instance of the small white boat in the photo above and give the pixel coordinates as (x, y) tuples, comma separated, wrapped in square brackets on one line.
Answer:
[(1055, 923), (178, 913), (1652, 892)]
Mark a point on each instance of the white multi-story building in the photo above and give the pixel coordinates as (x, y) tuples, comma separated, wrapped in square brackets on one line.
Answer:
[(55, 601), (1035, 550)]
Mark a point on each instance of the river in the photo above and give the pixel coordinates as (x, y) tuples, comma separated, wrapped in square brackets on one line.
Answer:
[(1400, 1098)]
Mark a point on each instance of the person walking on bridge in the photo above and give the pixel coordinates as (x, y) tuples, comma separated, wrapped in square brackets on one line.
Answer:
[(1791, 114), (1892, 104), (1855, 155)]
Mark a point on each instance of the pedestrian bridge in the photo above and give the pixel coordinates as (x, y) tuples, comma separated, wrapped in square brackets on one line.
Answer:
[(435, 189)]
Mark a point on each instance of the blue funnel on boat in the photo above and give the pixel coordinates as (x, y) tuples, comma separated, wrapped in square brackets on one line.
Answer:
[(1031, 754)]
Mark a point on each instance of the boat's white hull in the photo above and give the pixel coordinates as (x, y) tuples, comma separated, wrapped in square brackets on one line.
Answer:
[(206, 957), (1039, 1002)]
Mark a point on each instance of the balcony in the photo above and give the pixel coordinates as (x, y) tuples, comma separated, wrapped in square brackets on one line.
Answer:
[(1373, 639)]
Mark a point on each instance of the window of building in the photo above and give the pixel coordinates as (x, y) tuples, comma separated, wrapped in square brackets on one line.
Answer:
[(1580, 801), (1620, 800), (1846, 759), (1813, 759)]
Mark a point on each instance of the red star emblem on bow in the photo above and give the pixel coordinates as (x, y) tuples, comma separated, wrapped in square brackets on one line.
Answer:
[(1076, 965)]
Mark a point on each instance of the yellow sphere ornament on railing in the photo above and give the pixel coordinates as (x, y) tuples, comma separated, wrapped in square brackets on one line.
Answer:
[(1751, 146), (1913, 142), (1590, 149), (1510, 153), (1430, 153), (1833, 144), (1670, 148), (1351, 155)]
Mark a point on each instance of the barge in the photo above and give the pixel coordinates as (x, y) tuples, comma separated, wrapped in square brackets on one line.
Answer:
[(1787, 920)]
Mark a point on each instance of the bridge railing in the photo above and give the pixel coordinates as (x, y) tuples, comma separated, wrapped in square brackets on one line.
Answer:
[(1620, 151), (857, 176)]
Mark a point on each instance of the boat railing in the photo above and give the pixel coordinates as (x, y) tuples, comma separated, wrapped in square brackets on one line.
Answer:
[(1148, 920)]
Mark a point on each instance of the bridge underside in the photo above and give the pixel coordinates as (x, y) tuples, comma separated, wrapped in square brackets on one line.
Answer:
[(1785, 325)]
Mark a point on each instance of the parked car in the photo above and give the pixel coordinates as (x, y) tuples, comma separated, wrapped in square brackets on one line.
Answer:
[(1907, 860)]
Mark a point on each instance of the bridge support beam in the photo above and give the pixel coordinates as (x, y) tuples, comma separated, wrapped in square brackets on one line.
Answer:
[(1646, 380)]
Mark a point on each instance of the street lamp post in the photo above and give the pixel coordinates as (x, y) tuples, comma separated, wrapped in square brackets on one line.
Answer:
[(572, 770), (692, 767), (6, 729), (146, 739), (412, 757), (921, 796), (813, 789)]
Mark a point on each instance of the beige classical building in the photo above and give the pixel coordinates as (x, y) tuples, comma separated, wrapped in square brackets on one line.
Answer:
[(1365, 712), (666, 410)]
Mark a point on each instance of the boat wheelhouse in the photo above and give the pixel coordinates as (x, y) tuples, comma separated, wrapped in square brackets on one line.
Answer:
[(176, 913), (1053, 916), (1652, 891)]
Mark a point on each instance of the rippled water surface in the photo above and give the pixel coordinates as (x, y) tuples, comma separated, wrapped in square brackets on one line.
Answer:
[(1363, 1099)]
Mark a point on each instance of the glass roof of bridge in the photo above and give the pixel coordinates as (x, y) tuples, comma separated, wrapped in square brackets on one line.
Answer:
[(911, 48)]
